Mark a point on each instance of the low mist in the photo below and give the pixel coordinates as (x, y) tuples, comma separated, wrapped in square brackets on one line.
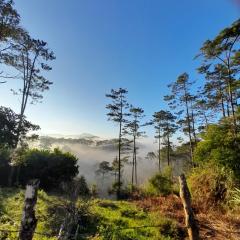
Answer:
[(92, 150)]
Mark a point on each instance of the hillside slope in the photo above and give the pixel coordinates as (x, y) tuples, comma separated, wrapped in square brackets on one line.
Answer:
[(99, 219)]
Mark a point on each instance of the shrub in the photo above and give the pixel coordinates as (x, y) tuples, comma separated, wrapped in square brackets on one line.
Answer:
[(235, 197), (82, 186), (219, 146), (9, 131), (167, 227), (76, 188), (125, 193), (51, 167), (210, 185), (160, 183), (93, 190)]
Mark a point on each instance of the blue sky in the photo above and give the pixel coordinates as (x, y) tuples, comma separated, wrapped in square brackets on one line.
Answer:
[(141, 45)]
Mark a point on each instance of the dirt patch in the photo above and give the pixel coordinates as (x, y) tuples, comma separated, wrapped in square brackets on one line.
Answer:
[(213, 224)]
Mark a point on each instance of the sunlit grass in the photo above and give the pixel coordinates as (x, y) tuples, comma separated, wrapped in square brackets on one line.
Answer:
[(109, 219)]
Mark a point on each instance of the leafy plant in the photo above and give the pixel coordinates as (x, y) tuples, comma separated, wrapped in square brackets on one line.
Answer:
[(235, 197), (210, 185), (160, 183)]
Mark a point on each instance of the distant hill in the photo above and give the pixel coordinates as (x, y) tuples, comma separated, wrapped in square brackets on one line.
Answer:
[(82, 139), (75, 136)]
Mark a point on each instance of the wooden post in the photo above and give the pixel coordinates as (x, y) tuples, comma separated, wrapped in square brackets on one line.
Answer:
[(60, 234), (29, 221), (192, 227)]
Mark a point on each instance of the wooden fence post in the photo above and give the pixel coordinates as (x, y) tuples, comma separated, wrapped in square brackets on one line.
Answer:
[(192, 227), (29, 221)]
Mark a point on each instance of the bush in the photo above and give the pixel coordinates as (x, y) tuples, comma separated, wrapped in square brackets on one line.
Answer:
[(235, 199), (210, 185), (219, 146), (9, 131), (50, 167), (167, 227), (83, 187), (125, 192), (160, 183)]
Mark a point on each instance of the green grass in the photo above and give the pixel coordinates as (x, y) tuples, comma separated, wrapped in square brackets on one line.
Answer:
[(102, 219), (123, 220), (11, 205)]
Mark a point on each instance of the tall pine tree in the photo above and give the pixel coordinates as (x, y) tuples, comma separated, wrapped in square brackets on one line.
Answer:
[(117, 113)]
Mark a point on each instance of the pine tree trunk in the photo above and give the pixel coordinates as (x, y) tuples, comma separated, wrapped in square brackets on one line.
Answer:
[(193, 124), (159, 151), (133, 168), (189, 132), (188, 123), (228, 108), (206, 120), (135, 160), (136, 177), (222, 103), (119, 161), (230, 93), (168, 150), (232, 106)]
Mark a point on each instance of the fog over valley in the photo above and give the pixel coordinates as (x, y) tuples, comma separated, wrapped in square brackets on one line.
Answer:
[(92, 150)]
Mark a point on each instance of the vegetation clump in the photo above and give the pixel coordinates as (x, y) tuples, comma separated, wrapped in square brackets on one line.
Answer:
[(211, 186), (160, 184)]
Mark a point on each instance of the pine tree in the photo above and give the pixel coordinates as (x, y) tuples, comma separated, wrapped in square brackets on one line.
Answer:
[(9, 32), (181, 101), (223, 49), (117, 113), (164, 123), (133, 128), (215, 88), (30, 58), (168, 129), (156, 121)]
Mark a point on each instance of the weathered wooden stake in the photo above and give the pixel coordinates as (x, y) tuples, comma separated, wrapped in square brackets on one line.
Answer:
[(29, 221), (60, 234), (192, 227)]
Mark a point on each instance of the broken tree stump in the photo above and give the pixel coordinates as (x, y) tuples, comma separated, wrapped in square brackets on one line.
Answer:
[(191, 224), (29, 221)]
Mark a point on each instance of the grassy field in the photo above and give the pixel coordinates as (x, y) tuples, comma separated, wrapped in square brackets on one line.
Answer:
[(101, 219)]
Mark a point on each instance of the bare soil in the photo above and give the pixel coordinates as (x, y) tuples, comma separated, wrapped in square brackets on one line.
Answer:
[(213, 223)]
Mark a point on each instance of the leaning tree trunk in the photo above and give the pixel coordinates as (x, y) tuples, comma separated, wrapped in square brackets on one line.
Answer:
[(29, 221), (191, 224)]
